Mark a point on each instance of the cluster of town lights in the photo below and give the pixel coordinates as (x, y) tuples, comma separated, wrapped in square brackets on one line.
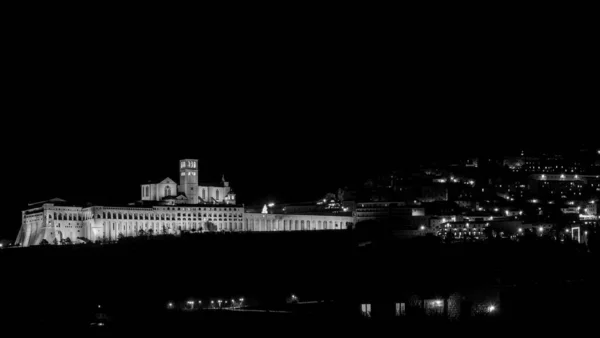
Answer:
[(191, 303)]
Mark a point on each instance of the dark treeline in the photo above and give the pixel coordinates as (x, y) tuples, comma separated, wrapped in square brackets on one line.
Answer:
[(136, 277)]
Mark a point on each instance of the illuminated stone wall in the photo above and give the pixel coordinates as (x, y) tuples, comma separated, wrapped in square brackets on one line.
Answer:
[(287, 222), (99, 222)]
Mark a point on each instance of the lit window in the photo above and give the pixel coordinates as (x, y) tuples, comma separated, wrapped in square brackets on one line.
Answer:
[(366, 310), (400, 309)]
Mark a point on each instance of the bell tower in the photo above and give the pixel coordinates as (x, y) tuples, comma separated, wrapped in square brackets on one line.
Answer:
[(188, 179)]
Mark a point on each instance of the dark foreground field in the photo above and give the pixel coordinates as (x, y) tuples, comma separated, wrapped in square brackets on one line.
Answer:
[(60, 288)]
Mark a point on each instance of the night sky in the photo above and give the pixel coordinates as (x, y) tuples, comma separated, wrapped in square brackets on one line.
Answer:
[(283, 117)]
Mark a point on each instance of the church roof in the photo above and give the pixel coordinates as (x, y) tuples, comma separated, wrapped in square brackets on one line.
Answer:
[(211, 184), (167, 180)]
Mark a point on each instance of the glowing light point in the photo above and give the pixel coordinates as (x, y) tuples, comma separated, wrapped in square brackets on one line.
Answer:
[(491, 308), (265, 210)]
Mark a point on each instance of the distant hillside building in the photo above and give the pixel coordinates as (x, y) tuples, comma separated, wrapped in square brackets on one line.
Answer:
[(165, 207)]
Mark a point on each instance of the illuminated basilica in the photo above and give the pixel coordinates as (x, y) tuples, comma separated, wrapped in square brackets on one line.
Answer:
[(165, 208)]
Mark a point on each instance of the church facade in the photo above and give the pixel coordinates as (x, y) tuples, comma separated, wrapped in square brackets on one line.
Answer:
[(165, 208)]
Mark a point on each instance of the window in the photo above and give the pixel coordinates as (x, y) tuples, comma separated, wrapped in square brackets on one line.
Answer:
[(167, 191), (365, 309), (400, 309)]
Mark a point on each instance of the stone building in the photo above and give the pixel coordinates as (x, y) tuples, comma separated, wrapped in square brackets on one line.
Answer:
[(165, 208)]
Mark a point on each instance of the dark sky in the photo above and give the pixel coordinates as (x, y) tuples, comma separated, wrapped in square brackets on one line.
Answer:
[(284, 115)]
